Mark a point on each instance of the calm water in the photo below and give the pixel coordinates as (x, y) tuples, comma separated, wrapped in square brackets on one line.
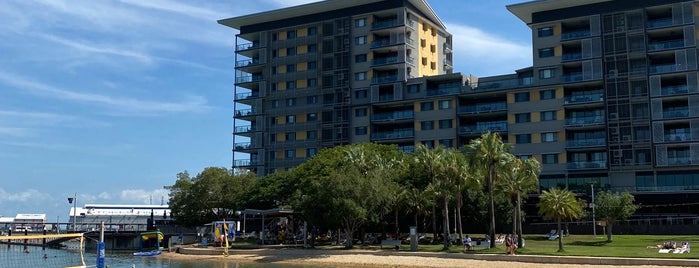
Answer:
[(36, 257)]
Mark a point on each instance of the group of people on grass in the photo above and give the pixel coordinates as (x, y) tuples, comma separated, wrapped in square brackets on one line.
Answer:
[(510, 241)]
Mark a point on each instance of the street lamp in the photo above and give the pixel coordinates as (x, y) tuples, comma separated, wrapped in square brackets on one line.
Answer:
[(594, 225), (74, 200)]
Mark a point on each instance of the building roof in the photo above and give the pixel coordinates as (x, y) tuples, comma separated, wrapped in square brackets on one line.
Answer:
[(30, 217), (6, 220), (525, 10), (318, 7)]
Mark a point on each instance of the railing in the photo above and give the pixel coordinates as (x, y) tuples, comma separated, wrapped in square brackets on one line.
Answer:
[(242, 63), (398, 134), (583, 98), (247, 46), (678, 161), (588, 165), (678, 137), (447, 62), (499, 84), (484, 107), (665, 45), (248, 79), (573, 77), (244, 163), (394, 115), (443, 91), (243, 129), (384, 24), (447, 47), (247, 95), (242, 145), (658, 23), (385, 60), (666, 68), (482, 127), (575, 34), (388, 42), (585, 120), (245, 112), (674, 90), (572, 56), (384, 79), (676, 113), (586, 143)]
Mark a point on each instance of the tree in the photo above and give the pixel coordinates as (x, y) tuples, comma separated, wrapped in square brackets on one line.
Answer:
[(520, 178), (487, 155), (612, 207), (433, 161), (559, 204), (458, 172)]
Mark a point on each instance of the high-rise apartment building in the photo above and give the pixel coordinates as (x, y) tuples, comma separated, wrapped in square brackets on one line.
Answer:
[(310, 76), (612, 98)]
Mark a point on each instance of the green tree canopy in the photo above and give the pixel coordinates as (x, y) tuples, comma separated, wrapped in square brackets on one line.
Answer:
[(612, 207), (559, 204)]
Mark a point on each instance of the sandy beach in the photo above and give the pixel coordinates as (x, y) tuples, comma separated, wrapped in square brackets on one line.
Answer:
[(377, 258)]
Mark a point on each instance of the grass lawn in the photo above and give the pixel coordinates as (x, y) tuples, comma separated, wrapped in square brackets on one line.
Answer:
[(631, 246)]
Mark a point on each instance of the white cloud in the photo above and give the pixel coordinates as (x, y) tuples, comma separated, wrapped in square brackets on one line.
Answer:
[(99, 48), (179, 8), (14, 131), (123, 104), (482, 54), (29, 195), (145, 196), (289, 3)]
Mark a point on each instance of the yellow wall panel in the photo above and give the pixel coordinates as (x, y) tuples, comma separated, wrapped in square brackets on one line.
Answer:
[(281, 86), (281, 69), (558, 51), (301, 135), (561, 136), (511, 119), (301, 118), (281, 137), (302, 32), (300, 152), (301, 66), (534, 95), (281, 120), (536, 116), (281, 35), (559, 93), (562, 158), (302, 49), (301, 83), (510, 98), (560, 115), (281, 52), (536, 138), (280, 154), (557, 29)]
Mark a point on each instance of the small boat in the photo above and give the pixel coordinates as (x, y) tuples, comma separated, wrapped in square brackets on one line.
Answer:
[(149, 244)]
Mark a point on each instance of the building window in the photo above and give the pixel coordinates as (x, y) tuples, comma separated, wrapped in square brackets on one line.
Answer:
[(546, 52), (360, 22), (312, 65), (444, 104), (290, 34), (445, 124), (521, 96), (273, 137), (360, 131), (311, 135), (524, 156), (290, 154), (448, 143), (427, 125), (360, 58), (549, 137), (523, 118), (311, 82), (274, 36), (274, 69), (547, 94), (291, 85), (549, 158), (312, 99), (290, 68), (290, 119), (290, 51), (311, 152), (312, 30), (548, 116), (414, 88), (360, 94), (310, 117), (545, 31), (290, 136), (312, 48), (360, 40), (546, 73), (360, 112), (523, 138), (428, 144), (427, 106), (361, 76), (290, 102)]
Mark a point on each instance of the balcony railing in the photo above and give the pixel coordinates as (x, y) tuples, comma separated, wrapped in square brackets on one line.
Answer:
[(584, 98), (678, 161), (243, 129), (394, 115), (588, 165), (384, 79), (398, 134), (659, 23), (665, 45), (384, 24), (586, 143), (585, 120), (484, 107), (678, 137), (247, 46), (572, 56), (247, 95), (242, 63), (442, 91), (388, 42), (573, 77), (385, 60), (676, 113), (245, 112), (242, 145), (665, 68), (244, 163), (674, 90), (575, 34), (482, 127), (248, 79)]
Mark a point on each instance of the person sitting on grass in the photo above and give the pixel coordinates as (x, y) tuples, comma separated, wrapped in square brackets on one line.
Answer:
[(467, 243)]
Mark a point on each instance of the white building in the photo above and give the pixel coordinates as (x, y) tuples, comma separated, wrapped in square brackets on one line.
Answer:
[(34, 221), (118, 217)]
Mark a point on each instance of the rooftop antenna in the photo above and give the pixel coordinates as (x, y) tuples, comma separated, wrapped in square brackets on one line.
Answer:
[(162, 200), (150, 199)]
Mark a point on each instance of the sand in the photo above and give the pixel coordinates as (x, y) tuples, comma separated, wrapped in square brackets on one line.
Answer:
[(373, 258)]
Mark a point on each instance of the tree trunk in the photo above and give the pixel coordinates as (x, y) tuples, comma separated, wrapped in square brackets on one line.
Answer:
[(434, 223), (609, 231), (397, 228), (519, 221), (446, 222), (514, 215), (458, 215), (491, 205), (560, 235)]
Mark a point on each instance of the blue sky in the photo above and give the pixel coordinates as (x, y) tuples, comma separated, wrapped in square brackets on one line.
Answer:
[(111, 99)]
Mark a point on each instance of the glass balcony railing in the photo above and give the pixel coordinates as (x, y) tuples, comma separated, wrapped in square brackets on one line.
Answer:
[(394, 115), (676, 113), (482, 127), (384, 24), (242, 63), (659, 23), (384, 79), (573, 77), (665, 68), (398, 134), (584, 98), (588, 165), (584, 120), (242, 145), (245, 112), (244, 163), (500, 84), (484, 107), (575, 34), (678, 161), (442, 91), (243, 129), (678, 137), (674, 90), (385, 60), (665, 45), (247, 95), (248, 79), (575, 143), (572, 56), (247, 46)]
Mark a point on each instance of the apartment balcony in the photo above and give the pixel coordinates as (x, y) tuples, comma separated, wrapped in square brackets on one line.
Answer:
[(664, 68), (247, 112), (390, 42), (384, 61), (572, 56), (384, 79), (247, 62), (244, 146), (499, 84), (674, 90), (659, 23), (483, 108), (572, 77), (398, 115), (679, 161), (448, 64), (676, 113), (383, 24), (247, 95), (577, 34), (443, 91), (585, 120), (583, 143), (248, 79), (678, 137), (247, 46), (392, 135), (243, 129), (584, 98), (447, 48), (244, 163), (584, 165), (663, 45), (482, 127)]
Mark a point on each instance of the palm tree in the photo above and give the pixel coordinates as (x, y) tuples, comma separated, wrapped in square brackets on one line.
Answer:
[(559, 204), (521, 178), (433, 161), (487, 154), (457, 170)]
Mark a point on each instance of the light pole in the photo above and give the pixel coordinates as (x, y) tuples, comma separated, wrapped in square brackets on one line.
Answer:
[(594, 225), (58, 226), (74, 200)]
